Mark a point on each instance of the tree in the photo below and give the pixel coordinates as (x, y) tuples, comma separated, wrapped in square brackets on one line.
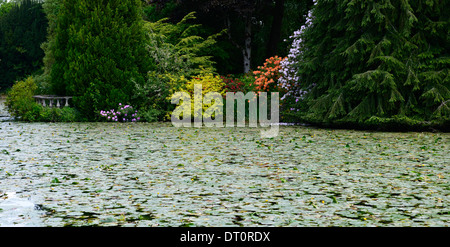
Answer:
[(179, 48), (51, 9), (179, 52), (242, 19), (245, 11), (275, 30), (256, 28), (99, 53), (5, 7), (22, 30), (377, 62)]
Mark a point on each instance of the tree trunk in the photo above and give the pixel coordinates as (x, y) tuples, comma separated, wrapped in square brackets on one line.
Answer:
[(246, 49), (275, 32)]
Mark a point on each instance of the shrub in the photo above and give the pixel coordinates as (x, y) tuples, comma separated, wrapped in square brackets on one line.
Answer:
[(124, 113), (179, 52), (152, 97), (65, 114), (249, 82), (69, 114), (233, 84), (151, 115), (267, 76), (20, 102), (210, 83)]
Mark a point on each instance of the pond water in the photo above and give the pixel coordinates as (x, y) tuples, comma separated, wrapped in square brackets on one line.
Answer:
[(141, 174)]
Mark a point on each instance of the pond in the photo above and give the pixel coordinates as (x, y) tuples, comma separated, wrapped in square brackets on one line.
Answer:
[(153, 174)]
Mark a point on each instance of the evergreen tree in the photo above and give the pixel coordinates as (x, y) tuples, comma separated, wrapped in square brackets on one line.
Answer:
[(51, 10), (99, 53), (377, 62), (22, 30)]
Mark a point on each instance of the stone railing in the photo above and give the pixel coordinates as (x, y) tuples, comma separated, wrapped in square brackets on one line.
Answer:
[(53, 100)]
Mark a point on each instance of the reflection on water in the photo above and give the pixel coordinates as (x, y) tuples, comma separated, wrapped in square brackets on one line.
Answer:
[(20, 212)]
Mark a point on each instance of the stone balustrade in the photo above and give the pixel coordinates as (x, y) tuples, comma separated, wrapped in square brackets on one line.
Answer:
[(53, 100)]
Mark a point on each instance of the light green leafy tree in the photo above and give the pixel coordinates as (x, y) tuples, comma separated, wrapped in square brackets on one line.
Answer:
[(179, 52)]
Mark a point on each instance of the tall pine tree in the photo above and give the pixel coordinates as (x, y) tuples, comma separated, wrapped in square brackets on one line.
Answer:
[(99, 51), (374, 62)]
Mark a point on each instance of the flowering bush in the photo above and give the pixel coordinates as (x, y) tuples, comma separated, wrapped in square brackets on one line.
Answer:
[(289, 80), (233, 84), (124, 113), (268, 74), (288, 71)]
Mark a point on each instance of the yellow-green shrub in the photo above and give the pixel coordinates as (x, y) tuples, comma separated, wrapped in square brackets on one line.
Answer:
[(20, 102), (21, 105), (210, 83)]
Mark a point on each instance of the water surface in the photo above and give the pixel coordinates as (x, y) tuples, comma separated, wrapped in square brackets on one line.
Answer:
[(111, 174)]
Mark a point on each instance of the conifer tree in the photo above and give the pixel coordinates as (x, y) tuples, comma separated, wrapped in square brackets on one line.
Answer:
[(51, 9), (99, 52), (377, 62), (22, 30)]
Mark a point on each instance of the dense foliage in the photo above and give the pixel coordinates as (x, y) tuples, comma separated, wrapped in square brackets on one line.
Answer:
[(21, 105), (256, 29), (206, 83), (375, 63), (233, 84), (349, 63), (179, 52), (99, 53), (179, 48), (5, 7), (20, 100), (51, 9), (266, 77), (22, 30)]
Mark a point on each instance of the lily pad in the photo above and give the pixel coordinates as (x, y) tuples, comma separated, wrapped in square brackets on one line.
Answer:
[(108, 174)]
